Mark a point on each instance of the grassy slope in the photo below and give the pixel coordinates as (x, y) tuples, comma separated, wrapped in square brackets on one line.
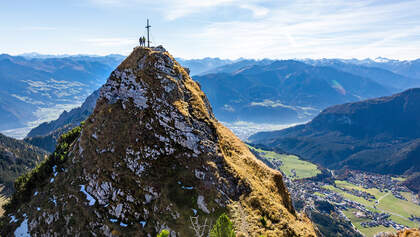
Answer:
[(303, 168)]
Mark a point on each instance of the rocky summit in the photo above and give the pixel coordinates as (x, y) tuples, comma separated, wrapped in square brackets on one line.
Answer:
[(152, 156)]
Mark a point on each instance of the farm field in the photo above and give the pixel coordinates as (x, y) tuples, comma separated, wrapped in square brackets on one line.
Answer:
[(400, 210), (369, 232), (292, 166)]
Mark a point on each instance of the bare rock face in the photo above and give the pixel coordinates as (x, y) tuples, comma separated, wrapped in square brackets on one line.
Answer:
[(150, 157)]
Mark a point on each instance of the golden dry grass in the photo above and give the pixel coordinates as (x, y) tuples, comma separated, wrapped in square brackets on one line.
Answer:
[(409, 233), (3, 200), (268, 197)]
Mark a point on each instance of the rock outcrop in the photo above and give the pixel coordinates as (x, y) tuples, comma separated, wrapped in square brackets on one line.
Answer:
[(151, 156), (402, 233)]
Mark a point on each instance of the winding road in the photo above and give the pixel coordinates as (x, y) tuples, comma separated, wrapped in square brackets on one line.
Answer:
[(386, 211)]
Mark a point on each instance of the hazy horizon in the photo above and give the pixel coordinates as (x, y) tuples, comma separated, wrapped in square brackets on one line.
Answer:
[(41, 55)]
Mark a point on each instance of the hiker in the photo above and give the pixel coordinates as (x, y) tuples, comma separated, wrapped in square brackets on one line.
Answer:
[(144, 41)]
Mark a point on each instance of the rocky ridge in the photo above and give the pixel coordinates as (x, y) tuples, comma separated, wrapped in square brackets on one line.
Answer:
[(150, 157)]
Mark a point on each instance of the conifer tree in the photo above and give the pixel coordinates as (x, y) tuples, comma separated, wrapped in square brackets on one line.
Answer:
[(223, 227)]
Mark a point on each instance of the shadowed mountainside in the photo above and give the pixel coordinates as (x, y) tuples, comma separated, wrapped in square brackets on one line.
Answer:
[(16, 158), (379, 135)]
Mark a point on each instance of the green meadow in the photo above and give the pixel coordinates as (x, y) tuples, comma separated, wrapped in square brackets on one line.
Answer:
[(303, 169)]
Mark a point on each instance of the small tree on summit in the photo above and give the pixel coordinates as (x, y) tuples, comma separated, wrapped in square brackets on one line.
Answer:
[(223, 227)]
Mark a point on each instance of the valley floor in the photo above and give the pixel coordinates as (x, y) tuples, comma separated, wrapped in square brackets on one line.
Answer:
[(373, 203)]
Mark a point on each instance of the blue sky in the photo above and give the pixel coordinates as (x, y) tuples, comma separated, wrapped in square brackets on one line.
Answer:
[(215, 28)]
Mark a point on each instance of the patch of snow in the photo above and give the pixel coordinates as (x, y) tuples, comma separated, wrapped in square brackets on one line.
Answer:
[(113, 220), (13, 219), (51, 180), (36, 193), (187, 187), (123, 224), (55, 170), (95, 136), (38, 209), (22, 230), (195, 211), (88, 196), (143, 223)]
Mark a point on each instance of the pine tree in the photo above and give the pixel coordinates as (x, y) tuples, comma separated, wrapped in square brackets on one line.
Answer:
[(223, 227)]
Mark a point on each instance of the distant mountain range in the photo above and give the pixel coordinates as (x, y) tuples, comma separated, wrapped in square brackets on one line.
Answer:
[(33, 89), (378, 135), (36, 88), (374, 71), (200, 66), (267, 91), (409, 68), (282, 91)]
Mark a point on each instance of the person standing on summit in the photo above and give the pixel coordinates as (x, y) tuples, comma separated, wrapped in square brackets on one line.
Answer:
[(142, 41)]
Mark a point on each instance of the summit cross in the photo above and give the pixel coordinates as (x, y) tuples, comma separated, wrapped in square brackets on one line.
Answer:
[(148, 29)]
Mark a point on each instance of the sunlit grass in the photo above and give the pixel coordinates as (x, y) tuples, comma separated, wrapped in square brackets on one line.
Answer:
[(302, 168), (3, 200), (401, 179)]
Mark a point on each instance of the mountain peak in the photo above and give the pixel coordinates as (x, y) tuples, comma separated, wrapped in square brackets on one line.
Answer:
[(151, 157)]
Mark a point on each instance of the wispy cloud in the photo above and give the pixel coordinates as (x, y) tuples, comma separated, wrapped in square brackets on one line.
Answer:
[(320, 29), (258, 11), (175, 9), (224, 28)]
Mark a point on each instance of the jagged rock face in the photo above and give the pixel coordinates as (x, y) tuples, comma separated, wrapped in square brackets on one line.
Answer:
[(151, 156)]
